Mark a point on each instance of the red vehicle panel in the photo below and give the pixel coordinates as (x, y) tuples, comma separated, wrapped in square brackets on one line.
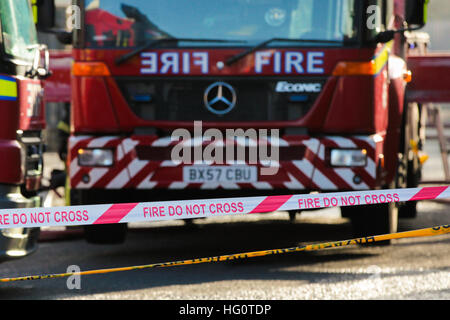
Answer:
[(31, 101), (57, 87), (431, 78)]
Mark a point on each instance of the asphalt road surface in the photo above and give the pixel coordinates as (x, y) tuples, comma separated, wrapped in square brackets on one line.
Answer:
[(416, 268), (408, 269)]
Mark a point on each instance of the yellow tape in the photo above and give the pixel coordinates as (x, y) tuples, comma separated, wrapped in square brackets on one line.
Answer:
[(434, 231)]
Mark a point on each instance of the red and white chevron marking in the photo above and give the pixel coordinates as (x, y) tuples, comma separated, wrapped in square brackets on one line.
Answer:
[(187, 209), (311, 172)]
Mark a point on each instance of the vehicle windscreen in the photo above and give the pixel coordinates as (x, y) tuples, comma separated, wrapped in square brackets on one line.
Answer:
[(18, 29), (132, 23)]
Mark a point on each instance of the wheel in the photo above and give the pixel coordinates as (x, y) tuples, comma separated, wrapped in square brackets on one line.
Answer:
[(410, 167), (371, 220), (409, 209), (292, 215), (106, 233), (100, 233)]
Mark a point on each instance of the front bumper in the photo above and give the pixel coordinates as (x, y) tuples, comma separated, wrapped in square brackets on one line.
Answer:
[(17, 242), (136, 165)]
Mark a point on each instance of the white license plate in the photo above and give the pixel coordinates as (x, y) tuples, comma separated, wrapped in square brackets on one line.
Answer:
[(200, 174)]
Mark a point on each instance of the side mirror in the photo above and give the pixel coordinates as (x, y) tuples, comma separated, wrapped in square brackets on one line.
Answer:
[(65, 37), (416, 12), (44, 14)]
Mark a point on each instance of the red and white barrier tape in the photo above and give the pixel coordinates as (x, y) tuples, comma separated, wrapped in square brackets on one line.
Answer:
[(187, 209)]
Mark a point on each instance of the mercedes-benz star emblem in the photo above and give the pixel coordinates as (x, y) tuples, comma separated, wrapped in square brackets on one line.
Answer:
[(220, 98)]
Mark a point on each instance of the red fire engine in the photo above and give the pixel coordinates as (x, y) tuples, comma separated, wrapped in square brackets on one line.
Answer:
[(331, 76), (21, 123)]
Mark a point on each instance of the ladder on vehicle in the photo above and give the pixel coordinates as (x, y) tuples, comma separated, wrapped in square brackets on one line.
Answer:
[(434, 114)]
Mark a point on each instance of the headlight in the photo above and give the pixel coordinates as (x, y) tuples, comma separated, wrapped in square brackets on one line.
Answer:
[(348, 158), (95, 157)]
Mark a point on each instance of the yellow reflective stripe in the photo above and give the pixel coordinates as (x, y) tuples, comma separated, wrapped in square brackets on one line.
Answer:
[(425, 11), (35, 11), (383, 57), (8, 88)]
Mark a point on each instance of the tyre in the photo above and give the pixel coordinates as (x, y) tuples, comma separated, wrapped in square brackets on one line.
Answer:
[(293, 215), (106, 233), (410, 172), (100, 233), (371, 220), (409, 209)]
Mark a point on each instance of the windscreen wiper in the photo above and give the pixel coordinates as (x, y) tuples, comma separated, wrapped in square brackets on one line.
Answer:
[(154, 43), (263, 44)]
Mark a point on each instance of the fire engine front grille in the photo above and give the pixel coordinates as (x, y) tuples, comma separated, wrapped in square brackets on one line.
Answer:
[(256, 99)]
